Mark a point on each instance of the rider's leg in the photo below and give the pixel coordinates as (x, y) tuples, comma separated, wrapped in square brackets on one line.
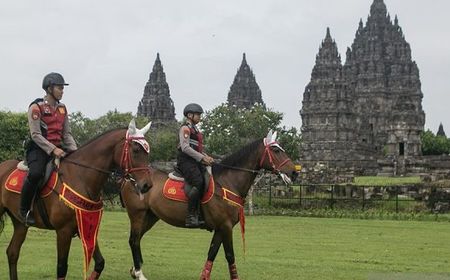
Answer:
[(192, 216), (37, 160), (194, 176)]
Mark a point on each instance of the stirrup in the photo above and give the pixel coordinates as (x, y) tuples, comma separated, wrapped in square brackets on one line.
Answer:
[(28, 219), (191, 221)]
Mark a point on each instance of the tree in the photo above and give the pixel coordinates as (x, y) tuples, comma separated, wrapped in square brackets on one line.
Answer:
[(434, 145), (227, 128), (84, 129), (163, 143), (13, 132), (290, 140)]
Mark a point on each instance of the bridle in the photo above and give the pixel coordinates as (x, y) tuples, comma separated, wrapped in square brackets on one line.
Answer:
[(125, 161), (268, 152)]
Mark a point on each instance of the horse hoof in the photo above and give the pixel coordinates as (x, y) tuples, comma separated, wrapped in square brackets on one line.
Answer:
[(137, 274), (94, 275), (133, 273)]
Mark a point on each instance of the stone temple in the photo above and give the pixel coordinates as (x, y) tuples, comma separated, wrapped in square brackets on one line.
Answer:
[(244, 92), (369, 109), (156, 103)]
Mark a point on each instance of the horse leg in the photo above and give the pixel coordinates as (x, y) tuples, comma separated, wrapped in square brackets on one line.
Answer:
[(139, 226), (229, 253), (13, 250), (216, 241), (63, 239), (99, 263)]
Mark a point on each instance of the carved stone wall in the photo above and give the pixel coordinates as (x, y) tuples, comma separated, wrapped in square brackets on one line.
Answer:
[(370, 107)]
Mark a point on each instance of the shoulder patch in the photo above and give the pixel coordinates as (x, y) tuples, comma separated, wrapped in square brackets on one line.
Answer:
[(35, 114), (186, 132), (62, 110)]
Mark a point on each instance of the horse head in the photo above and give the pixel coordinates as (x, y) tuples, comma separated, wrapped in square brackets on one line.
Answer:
[(275, 159), (134, 157)]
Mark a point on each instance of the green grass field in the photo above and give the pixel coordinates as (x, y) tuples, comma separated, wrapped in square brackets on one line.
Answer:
[(277, 248), (385, 181)]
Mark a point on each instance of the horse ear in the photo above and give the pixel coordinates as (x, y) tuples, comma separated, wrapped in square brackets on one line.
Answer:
[(269, 136), (145, 129), (132, 127), (274, 136)]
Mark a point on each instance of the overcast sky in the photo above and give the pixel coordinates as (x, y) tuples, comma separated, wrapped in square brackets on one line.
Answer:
[(106, 49)]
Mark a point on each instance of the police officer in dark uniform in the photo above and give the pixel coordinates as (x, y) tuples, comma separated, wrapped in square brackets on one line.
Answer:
[(191, 160), (49, 128)]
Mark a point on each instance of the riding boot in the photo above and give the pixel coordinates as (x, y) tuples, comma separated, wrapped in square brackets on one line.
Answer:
[(192, 216), (25, 203)]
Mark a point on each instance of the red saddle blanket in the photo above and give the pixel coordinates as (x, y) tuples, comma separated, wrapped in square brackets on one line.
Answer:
[(14, 182), (174, 190)]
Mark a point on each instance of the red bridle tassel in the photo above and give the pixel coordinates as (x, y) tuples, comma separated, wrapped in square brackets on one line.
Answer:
[(242, 223)]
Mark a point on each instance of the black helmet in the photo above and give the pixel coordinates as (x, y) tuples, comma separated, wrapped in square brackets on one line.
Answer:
[(53, 79), (192, 108)]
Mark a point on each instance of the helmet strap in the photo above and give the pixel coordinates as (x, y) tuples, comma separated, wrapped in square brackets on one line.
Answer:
[(50, 92)]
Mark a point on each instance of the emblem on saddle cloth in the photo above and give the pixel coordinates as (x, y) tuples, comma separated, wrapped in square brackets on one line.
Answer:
[(14, 182), (174, 190)]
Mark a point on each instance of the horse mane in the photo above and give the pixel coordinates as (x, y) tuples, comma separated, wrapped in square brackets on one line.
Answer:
[(96, 138), (237, 157)]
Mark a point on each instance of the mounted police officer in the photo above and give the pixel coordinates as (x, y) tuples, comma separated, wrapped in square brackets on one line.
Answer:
[(49, 128), (191, 160)]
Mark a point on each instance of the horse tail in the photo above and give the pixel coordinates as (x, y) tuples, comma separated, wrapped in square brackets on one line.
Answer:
[(2, 221), (2, 213), (6, 167)]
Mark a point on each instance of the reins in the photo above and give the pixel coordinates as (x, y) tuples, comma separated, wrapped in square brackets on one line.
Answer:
[(238, 168), (269, 155), (125, 163), (88, 167)]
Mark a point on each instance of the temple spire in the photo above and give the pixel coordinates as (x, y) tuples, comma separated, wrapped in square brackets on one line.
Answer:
[(378, 8), (441, 131), (244, 92), (328, 53), (156, 103), (328, 36)]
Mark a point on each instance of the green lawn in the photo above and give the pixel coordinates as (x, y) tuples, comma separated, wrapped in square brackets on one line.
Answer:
[(385, 181), (277, 248)]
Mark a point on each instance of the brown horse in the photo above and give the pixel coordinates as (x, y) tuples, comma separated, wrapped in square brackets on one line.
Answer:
[(85, 171), (233, 177)]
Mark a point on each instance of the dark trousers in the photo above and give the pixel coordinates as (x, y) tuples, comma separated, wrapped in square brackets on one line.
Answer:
[(192, 171), (37, 160)]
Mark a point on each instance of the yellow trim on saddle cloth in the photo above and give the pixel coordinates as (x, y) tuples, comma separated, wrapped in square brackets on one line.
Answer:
[(171, 190), (14, 180), (52, 187), (213, 186), (96, 205)]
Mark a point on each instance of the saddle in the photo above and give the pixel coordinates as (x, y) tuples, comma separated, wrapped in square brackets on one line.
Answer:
[(46, 185), (176, 188), (14, 182)]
